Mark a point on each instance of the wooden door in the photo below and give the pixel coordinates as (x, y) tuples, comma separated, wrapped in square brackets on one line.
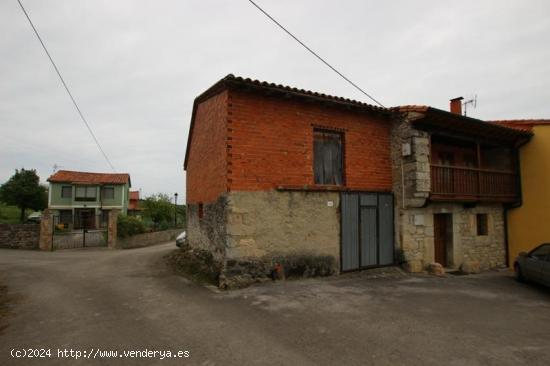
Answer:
[(442, 235)]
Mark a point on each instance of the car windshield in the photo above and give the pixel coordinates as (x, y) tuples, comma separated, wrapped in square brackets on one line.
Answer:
[(541, 252)]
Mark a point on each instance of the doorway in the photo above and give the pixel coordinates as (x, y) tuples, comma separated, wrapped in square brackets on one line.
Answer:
[(443, 238)]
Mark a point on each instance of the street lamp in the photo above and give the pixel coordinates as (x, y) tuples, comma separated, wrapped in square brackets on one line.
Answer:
[(175, 209)]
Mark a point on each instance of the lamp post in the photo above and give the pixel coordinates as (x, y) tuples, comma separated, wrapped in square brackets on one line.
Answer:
[(175, 209)]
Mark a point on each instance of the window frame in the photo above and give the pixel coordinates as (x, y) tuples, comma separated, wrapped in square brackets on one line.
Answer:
[(341, 134), (104, 189), (63, 189), (86, 197), (482, 224)]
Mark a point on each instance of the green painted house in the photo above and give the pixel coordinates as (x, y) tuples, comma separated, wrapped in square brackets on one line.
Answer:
[(82, 199)]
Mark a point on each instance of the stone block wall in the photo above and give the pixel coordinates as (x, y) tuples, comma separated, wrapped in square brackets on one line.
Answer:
[(248, 233), (417, 236), (19, 236), (148, 239), (298, 230)]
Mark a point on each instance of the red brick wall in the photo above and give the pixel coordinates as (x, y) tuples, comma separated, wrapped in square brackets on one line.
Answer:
[(270, 143), (207, 160)]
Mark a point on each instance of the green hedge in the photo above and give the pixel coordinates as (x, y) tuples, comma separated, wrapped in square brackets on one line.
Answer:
[(129, 225)]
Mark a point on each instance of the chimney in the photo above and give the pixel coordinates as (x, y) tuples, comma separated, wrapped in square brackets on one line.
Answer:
[(456, 105)]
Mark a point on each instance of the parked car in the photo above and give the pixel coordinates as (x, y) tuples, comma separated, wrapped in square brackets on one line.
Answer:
[(535, 265), (35, 217), (180, 239)]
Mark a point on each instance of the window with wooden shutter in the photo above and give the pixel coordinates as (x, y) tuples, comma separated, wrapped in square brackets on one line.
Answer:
[(328, 157)]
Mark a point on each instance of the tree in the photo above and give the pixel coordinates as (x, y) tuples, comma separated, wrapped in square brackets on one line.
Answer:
[(23, 190), (159, 209)]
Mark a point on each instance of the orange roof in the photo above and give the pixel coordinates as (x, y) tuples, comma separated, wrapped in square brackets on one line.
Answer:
[(134, 195), (410, 108), (522, 124), (67, 176)]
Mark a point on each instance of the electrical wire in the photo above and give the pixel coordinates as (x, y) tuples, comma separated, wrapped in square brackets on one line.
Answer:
[(67, 89), (315, 54)]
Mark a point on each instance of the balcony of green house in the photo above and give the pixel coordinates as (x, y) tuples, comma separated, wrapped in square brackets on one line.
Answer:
[(466, 170)]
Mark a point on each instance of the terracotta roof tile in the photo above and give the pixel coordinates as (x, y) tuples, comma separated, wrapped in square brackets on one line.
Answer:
[(410, 108), (522, 124), (68, 176)]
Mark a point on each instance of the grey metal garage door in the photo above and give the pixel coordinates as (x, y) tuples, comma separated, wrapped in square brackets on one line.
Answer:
[(367, 230)]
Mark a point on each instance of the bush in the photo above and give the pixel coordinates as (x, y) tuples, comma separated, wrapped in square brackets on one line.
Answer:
[(129, 225)]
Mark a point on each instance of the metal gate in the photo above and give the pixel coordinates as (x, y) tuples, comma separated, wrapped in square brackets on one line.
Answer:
[(82, 231), (367, 230)]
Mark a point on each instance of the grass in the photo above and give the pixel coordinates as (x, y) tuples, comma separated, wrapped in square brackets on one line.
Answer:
[(10, 214)]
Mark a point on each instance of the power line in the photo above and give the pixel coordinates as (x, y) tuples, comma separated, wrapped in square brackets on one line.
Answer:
[(315, 54), (67, 88)]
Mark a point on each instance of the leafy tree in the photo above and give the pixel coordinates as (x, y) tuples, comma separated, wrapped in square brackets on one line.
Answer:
[(159, 209), (23, 190)]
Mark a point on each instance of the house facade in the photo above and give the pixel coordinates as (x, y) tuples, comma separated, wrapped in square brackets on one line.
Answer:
[(83, 199), (454, 177), (320, 184), (528, 219)]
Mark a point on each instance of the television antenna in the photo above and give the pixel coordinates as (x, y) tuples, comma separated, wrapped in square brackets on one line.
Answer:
[(56, 167), (472, 101)]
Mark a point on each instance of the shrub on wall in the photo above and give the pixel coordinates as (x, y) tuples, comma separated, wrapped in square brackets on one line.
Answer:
[(129, 225)]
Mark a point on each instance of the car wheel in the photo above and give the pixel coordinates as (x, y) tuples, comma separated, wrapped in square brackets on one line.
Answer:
[(519, 273)]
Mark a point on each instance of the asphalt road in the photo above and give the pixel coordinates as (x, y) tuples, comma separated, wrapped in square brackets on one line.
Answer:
[(93, 299)]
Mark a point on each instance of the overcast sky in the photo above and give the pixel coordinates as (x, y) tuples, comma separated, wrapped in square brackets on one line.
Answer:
[(136, 66)]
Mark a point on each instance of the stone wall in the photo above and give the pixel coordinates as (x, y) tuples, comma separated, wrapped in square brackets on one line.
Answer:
[(410, 173), (298, 230), (19, 236), (148, 239), (418, 236), (209, 232)]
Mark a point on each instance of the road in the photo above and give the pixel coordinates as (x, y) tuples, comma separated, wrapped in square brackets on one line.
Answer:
[(127, 300)]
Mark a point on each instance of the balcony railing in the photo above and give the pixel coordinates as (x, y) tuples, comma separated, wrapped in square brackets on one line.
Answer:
[(461, 183)]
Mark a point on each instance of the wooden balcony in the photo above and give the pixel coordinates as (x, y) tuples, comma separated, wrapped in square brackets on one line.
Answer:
[(453, 183)]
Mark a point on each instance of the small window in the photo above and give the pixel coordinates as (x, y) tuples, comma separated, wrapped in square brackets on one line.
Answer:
[(327, 157), (66, 192), (201, 210), (482, 227), (108, 193), (85, 193)]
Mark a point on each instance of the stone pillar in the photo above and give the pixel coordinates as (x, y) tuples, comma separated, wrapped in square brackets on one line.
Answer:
[(46, 231), (111, 228)]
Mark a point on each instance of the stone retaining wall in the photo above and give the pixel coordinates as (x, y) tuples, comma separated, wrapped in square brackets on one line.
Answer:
[(147, 239), (19, 236)]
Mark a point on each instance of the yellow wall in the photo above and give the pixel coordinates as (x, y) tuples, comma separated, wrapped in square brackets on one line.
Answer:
[(529, 225)]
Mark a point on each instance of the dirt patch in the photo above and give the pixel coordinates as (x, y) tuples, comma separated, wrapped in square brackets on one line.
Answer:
[(5, 306), (197, 265)]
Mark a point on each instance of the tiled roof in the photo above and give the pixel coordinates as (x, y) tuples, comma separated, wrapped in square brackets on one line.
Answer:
[(68, 176), (238, 80), (410, 108), (440, 120), (522, 124), (134, 195)]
